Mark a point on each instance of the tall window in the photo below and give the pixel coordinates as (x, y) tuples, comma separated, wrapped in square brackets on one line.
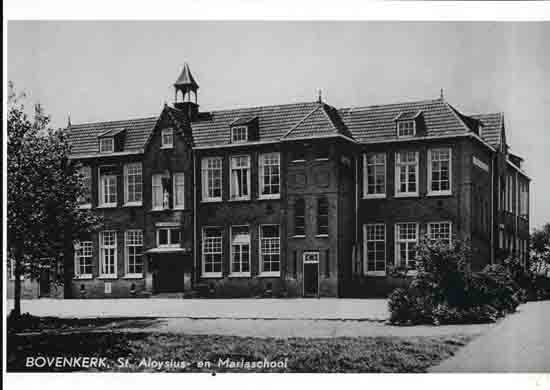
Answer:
[(107, 187), (440, 231), (212, 254), (134, 252), (405, 129), (240, 177), (108, 253), (270, 244), (239, 134), (300, 217), (106, 145), (179, 190), (509, 207), (406, 173), (439, 171), (211, 168), (168, 237), (375, 249), (406, 240), (167, 138), (240, 251), (160, 191), (133, 183), (374, 182), (83, 259), (270, 175), (86, 181), (524, 199), (322, 216)]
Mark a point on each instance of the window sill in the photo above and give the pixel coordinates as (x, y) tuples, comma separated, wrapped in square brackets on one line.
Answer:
[(240, 275), (167, 147), (374, 196), (447, 193), (407, 195), (375, 273), (132, 204), (269, 197), (298, 161), (154, 210), (85, 206), (133, 276), (239, 199), (107, 206), (321, 159), (212, 200), (321, 235), (179, 208), (299, 236), (107, 277), (83, 277), (269, 275), (211, 275)]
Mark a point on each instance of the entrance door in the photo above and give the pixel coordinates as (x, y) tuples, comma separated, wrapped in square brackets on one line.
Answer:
[(169, 273), (311, 274), (44, 287)]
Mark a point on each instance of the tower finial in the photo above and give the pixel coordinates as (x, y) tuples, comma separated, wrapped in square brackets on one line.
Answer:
[(69, 119), (320, 96), (441, 94)]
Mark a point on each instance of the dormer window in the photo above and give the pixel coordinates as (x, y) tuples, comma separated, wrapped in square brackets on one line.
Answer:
[(167, 138), (106, 145), (406, 128), (239, 134)]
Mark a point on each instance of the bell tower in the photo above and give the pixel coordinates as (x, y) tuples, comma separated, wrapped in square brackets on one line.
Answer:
[(185, 89)]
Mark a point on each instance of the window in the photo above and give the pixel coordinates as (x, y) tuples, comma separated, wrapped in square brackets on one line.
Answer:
[(439, 171), (133, 183), (85, 198), (168, 237), (322, 216), (509, 193), (300, 217), (406, 129), (83, 259), (239, 134), (106, 145), (406, 174), (108, 253), (440, 231), (524, 199), (374, 182), (179, 190), (240, 251), (212, 252), (167, 138), (240, 178), (269, 175), (134, 253), (211, 168), (406, 239), (160, 191), (375, 249), (270, 243), (107, 187)]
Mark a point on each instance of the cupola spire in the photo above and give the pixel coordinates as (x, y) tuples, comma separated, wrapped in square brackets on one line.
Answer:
[(185, 91)]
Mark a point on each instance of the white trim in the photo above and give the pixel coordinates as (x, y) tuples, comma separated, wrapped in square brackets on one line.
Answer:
[(239, 127), (85, 206), (164, 132), (102, 255), (366, 195), (430, 192), (263, 273), (112, 149), (100, 203), (272, 274), (126, 184), (204, 183), (397, 261), (261, 167), (77, 274), (405, 121), (205, 274), (429, 228), (168, 236), (174, 190), (304, 262), (232, 189), (240, 273), (128, 275), (365, 250), (399, 194)]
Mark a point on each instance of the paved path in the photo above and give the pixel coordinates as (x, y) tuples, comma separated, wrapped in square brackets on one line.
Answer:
[(520, 343), (327, 308)]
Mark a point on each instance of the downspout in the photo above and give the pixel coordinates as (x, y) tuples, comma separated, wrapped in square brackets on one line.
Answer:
[(357, 251), (195, 274), (492, 210)]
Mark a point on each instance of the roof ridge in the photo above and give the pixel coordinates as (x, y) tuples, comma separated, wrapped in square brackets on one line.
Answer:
[(301, 121), (455, 112), (113, 121), (353, 108), (264, 106), (324, 107)]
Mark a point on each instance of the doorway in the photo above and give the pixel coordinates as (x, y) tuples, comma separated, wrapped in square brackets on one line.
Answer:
[(311, 274)]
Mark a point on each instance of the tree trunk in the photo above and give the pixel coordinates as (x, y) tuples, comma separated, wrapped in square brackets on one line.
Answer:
[(16, 312)]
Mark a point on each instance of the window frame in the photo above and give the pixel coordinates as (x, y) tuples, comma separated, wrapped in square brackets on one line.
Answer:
[(398, 166), (168, 131), (168, 236), (127, 247), (240, 273), (205, 197), (88, 177), (261, 174), (366, 240), (319, 216), (234, 130), (375, 195), (78, 257), (102, 247), (175, 204), (432, 192), (430, 226), (406, 122), (264, 273), (111, 140), (101, 189), (302, 216), (127, 167), (155, 186), (232, 188), (211, 274), (397, 241)]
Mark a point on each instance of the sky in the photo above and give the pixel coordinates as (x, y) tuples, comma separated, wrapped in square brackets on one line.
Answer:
[(98, 71)]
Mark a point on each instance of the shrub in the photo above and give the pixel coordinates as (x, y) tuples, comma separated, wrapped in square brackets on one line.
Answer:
[(445, 291)]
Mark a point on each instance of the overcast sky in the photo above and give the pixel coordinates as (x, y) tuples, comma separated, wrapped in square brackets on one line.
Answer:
[(116, 70)]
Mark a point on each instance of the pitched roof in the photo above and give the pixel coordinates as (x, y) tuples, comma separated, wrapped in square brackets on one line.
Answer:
[(317, 123), (492, 127), (377, 123), (83, 137), (186, 78)]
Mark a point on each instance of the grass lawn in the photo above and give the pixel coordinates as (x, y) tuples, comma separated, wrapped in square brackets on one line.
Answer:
[(361, 354)]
